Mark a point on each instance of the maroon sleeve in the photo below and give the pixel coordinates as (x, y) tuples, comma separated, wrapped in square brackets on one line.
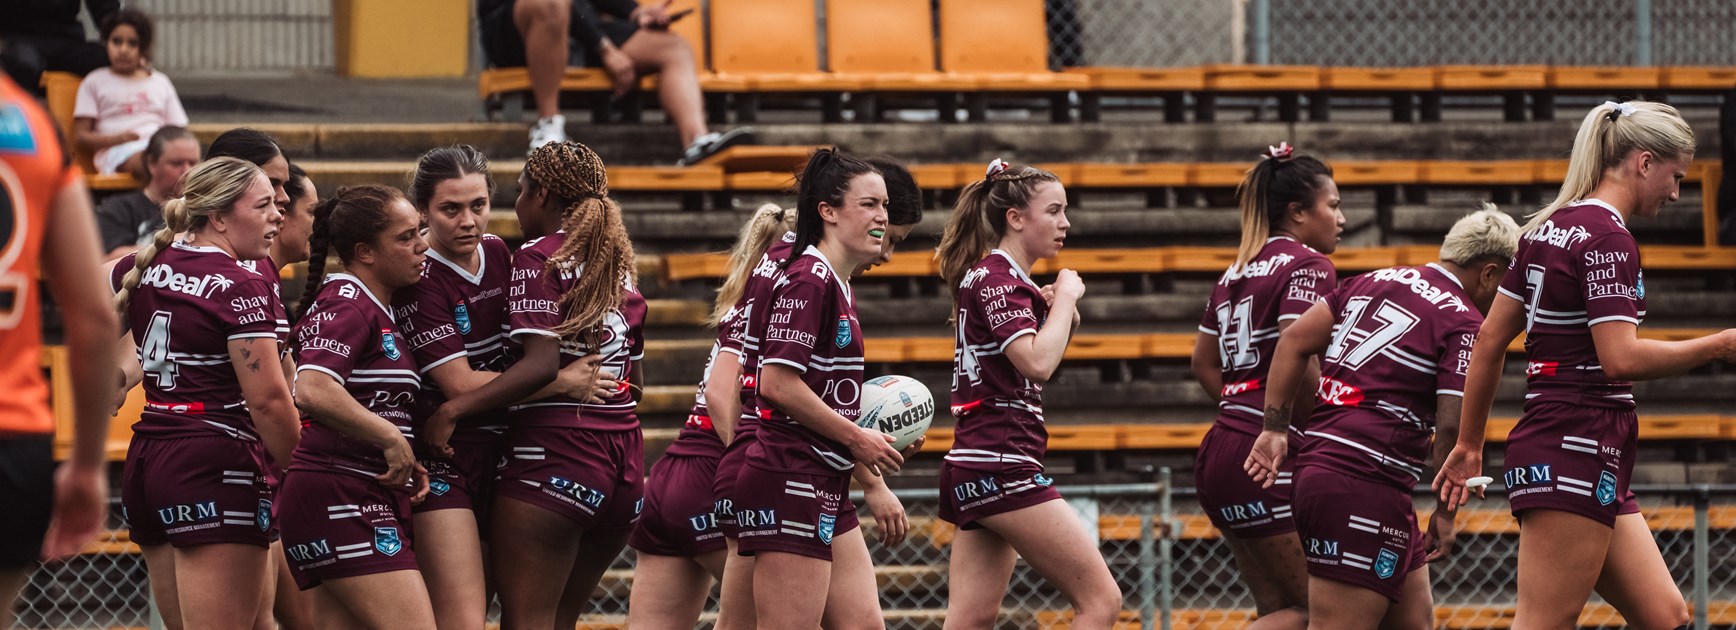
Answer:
[(119, 272), (796, 322), (1209, 321), (1011, 312), (535, 304), (1308, 281), (1455, 357), (248, 309), (424, 311), (1513, 284), (332, 341), (1609, 266)]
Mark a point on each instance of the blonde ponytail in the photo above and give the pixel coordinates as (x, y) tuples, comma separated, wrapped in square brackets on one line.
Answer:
[(1607, 135), (979, 219), (767, 224), (210, 189)]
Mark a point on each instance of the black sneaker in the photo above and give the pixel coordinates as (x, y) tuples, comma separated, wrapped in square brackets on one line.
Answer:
[(709, 144)]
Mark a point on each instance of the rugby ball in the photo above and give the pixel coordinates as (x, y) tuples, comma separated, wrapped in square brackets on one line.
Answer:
[(898, 406)]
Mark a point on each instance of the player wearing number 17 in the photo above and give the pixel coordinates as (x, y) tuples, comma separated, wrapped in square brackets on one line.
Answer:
[(194, 486), (1290, 221), (1393, 347)]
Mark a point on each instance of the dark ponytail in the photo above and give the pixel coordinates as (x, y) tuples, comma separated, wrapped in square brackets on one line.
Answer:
[(354, 215), (823, 180), (318, 247), (1265, 195)]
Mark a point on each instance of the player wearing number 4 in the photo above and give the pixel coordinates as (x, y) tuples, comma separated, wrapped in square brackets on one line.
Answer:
[(1290, 221), (1577, 292), (1011, 335), (1393, 346), (194, 486)]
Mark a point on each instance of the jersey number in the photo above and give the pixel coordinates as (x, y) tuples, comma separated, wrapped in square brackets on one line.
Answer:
[(1534, 284), (1236, 349), (154, 351), (1394, 322), (967, 365)]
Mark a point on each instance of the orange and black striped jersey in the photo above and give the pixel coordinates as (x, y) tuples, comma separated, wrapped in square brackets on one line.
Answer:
[(34, 169)]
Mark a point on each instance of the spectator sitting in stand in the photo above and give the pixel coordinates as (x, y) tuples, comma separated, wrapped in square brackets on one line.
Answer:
[(46, 35), (534, 34), (120, 106), (130, 219)]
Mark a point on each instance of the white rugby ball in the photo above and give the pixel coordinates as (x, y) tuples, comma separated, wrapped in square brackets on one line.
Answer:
[(898, 406)]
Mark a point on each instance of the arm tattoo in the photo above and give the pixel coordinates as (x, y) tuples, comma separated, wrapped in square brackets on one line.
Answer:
[(1278, 418)]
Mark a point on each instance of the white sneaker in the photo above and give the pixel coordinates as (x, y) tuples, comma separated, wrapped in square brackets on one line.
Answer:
[(546, 130)]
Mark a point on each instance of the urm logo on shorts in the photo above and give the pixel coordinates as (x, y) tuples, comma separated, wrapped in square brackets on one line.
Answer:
[(578, 491), (1245, 511), (389, 345), (843, 337), (825, 527), (262, 518), (973, 489), (309, 551), (386, 540), (439, 487), (188, 513), (1322, 548), (1524, 475), (1606, 488), (461, 315), (1385, 563)]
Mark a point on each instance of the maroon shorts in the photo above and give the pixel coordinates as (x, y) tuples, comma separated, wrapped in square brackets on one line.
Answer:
[(1235, 504), (967, 495), (792, 512), (678, 520), (1360, 532), (197, 491), (466, 480), (338, 525), (594, 478), (1572, 458), (723, 485)]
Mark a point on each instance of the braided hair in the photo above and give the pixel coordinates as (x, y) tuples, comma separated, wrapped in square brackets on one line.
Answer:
[(596, 240), (354, 215), (210, 189), (979, 220)]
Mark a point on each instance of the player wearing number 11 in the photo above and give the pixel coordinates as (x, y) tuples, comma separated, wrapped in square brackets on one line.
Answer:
[(1394, 345)]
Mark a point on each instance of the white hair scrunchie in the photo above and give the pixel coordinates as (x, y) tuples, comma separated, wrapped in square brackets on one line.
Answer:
[(1626, 109)]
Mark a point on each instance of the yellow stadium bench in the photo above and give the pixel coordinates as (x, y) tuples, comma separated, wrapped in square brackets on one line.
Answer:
[(60, 396), (764, 181), (1063, 620), (1157, 175), (666, 399), (1218, 174), (897, 56), (1104, 261), (1170, 84), (666, 178), (939, 176), (1400, 85), (758, 158), (1376, 173), (1066, 172), (1478, 173), (910, 265), (1698, 78), (1595, 78), (1164, 436), (1003, 45), (1512, 82), (1285, 82), (788, 63)]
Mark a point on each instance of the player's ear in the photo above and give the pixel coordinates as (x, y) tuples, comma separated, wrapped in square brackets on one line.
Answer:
[(364, 254), (1015, 220), (828, 213)]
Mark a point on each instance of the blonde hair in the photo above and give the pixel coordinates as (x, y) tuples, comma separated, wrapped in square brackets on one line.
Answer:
[(1607, 135), (209, 190), (1265, 195), (979, 219), (596, 240), (766, 225), (1486, 233)]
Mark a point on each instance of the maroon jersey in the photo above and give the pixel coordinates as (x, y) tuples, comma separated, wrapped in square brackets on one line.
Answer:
[(1401, 337), (758, 291), (999, 411), (535, 306), (349, 335), (1247, 304), (265, 268), (810, 325), (1579, 269), (698, 437), (453, 314), (190, 303)]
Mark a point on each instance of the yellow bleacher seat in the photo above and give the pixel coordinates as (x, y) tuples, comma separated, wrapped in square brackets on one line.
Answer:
[(666, 178), (1624, 78), (769, 181), (1346, 79), (1258, 78), (751, 158), (1491, 78), (897, 55), (1160, 175), (1218, 174), (1376, 173), (1698, 78), (1002, 44), (1478, 173), (789, 62), (1116, 79)]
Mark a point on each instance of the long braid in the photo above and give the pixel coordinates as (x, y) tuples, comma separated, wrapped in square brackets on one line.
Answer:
[(319, 247), (596, 247), (175, 221)]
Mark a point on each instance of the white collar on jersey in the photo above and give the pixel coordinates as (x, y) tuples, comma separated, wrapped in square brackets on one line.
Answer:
[(815, 252), (1448, 274), (203, 249), (1018, 272), (481, 267), (364, 286), (1280, 238), (1605, 205)]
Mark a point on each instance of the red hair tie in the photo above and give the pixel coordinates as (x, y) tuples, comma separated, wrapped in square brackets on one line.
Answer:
[(1282, 153)]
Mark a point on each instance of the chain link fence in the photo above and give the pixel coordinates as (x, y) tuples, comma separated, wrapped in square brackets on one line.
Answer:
[(1388, 33), (1182, 579)]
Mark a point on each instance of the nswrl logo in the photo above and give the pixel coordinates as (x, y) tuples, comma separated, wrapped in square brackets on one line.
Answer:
[(461, 316), (386, 540), (1606, 488), (1385, 563)]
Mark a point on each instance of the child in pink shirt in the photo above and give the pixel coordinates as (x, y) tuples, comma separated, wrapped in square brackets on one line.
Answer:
[(119, 107)]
